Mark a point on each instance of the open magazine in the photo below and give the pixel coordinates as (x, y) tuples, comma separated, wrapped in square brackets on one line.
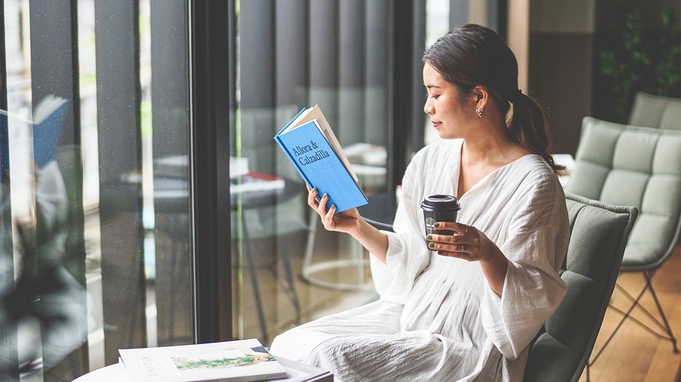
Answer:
[(233, 361)]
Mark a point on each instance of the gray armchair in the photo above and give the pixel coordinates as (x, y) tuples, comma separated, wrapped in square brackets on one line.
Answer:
[(598, 237), (656, 111), (641, 167)]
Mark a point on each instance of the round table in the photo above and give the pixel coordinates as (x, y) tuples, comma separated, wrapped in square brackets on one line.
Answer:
[(112, 373)]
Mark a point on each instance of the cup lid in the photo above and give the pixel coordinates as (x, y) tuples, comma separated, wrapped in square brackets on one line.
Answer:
[(441, 202)]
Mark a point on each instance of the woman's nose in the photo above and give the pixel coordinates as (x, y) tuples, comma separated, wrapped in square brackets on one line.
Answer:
[(428, 108)]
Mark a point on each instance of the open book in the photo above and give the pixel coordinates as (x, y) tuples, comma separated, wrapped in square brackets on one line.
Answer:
[(313, 148), (229, 361), (48, 123)]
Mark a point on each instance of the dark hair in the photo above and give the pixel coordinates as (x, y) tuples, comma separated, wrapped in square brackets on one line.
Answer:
[(472, 55)]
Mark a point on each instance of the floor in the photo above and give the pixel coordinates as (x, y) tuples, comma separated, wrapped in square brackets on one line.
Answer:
[(634, 354)]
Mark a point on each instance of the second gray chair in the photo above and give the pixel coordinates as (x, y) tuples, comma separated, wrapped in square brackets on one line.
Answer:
[(641, 167), (656, 111)]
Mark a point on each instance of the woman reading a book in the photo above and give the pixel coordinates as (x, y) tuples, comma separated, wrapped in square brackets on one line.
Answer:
[(463, 306)]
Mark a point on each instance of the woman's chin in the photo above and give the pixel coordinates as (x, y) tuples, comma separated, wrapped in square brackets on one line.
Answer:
[(445, 134)]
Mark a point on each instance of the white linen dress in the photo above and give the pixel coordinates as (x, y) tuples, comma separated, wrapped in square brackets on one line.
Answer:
[(437, 318)]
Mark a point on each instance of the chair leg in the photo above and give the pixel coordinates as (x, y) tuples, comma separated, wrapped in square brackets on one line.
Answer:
[(289, 284), (312, 231), (664, 325), (254, 280), (625, 315)]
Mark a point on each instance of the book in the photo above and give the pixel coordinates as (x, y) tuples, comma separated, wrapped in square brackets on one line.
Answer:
[(256, 181), (47, 124), (312, 147), (228, 361)]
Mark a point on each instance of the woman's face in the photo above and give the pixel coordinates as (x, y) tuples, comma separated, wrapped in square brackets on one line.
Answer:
[(448, 114)]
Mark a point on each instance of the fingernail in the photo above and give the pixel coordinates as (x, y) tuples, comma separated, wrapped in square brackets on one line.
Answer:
[(436, 224), (429, 237), (431, 245), (325, 195), (333, 206)]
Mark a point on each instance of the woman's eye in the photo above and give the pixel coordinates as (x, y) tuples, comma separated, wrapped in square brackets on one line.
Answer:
[(435, 96)]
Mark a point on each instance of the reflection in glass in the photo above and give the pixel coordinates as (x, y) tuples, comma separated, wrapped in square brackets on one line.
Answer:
[(94, 203)]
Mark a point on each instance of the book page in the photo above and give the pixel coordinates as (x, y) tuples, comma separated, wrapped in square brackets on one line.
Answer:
[(46, 107)]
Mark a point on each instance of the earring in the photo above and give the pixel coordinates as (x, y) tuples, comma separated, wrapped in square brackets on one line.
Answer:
[(479, 111)]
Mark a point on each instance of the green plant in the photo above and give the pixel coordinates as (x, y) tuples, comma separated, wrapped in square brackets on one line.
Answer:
[(624, 65), (642, 59), (668, 69)]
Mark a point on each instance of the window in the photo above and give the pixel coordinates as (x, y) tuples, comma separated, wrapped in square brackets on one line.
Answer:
[(96, 216), (121, 224)]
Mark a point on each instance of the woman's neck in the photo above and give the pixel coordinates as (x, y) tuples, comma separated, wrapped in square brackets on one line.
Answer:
[(491, 145)]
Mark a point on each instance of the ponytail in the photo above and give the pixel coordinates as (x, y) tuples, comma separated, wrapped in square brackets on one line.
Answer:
[(530, 128)]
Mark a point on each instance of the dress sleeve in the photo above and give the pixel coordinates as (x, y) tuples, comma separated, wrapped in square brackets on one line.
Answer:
[(407, 254), (535, 246)]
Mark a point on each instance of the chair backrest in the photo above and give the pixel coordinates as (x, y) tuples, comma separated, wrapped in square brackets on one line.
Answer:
[(598, 237), (656, 111), (633, 166)]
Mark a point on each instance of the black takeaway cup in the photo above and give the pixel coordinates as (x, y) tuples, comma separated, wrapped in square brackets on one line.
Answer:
[(439, 208)]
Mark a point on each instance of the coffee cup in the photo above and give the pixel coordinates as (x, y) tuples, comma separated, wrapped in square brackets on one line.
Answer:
[(439, 208)]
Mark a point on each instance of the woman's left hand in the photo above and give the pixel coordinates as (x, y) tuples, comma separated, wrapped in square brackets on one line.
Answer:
[(466, 242), (471, 244)]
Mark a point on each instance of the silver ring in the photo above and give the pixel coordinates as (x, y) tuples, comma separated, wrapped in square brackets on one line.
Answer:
[(462, 248), (465, 230)]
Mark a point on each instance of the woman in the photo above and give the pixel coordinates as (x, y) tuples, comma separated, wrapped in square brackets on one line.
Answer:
[(468, 308)]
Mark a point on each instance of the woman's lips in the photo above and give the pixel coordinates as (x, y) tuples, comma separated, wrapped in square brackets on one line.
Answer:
[(436, 124)]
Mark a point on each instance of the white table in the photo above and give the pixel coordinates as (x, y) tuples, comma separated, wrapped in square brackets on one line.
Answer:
[(111, 373), (298, 372)]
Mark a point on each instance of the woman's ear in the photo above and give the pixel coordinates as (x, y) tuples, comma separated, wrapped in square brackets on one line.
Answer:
[(481, 97)]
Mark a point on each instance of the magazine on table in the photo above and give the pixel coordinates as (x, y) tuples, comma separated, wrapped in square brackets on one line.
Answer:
[(230, 361)]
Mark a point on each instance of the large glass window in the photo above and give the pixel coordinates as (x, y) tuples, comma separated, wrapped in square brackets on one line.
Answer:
[(116, 120), (96, 244)]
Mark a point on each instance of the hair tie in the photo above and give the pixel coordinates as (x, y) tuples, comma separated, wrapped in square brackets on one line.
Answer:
[(516, 96)]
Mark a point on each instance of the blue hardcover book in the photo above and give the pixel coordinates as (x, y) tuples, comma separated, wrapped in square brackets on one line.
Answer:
[(48, 123), (310, 144)]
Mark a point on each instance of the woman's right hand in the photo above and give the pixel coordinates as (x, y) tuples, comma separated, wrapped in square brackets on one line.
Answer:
[(348, 221)]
